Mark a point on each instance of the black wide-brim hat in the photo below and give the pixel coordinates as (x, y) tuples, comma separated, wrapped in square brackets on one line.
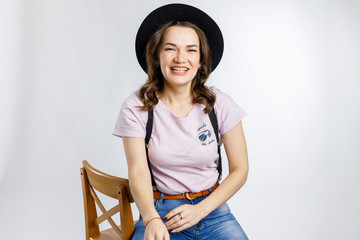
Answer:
[(179, 12)]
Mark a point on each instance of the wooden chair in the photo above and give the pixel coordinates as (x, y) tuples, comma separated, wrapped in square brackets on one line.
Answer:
[(113, 187)]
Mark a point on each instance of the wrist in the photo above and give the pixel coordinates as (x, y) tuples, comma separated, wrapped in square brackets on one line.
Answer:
[(148, 217), (151, 220), (203, 209)]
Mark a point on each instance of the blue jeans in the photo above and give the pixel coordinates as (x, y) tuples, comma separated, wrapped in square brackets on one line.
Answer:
[(220, 224)]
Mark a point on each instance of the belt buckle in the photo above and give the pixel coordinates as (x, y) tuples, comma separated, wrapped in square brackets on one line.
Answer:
[(188, 197)]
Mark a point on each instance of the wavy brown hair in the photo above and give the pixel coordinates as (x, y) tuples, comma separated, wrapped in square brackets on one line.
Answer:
[(155, 82)]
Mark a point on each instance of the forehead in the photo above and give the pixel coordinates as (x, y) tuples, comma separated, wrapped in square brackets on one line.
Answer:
[(180, 35)]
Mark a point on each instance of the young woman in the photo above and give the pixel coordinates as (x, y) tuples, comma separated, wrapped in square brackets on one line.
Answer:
[(172, 129)]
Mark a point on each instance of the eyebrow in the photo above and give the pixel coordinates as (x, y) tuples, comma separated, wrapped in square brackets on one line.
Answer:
[(189, 46)]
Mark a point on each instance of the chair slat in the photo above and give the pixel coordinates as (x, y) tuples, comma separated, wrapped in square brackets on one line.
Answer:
[(102, 208), (111, 212)]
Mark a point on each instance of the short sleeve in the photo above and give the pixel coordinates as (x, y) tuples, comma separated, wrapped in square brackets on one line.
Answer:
[(131, 121), (227, 111)]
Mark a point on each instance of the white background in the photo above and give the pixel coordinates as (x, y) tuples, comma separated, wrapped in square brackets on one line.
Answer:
[(67, 65)]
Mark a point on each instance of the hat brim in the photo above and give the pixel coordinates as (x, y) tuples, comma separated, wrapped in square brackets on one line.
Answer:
[(179, 12)]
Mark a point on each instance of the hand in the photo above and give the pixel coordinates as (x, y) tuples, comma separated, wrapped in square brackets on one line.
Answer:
[(156, 230), (183, 217)]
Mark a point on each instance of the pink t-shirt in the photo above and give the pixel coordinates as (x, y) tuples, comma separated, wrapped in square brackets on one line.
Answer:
[(182, 151)]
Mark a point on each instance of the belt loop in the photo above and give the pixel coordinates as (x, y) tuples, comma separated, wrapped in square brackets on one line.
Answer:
[(209, 190), (161, 198), (156, 202)]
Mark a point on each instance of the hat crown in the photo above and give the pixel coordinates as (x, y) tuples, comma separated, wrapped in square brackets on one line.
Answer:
[(179, 12)]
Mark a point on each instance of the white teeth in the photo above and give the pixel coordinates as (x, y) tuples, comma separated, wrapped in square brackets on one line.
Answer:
[(179, 69)]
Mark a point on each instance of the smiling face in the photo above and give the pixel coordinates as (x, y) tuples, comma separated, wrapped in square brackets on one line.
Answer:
[(179, 56)]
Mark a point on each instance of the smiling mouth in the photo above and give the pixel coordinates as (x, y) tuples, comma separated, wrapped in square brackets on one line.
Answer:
[(179, 69)]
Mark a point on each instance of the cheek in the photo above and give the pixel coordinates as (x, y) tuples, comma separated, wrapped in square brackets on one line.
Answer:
[(162, 64), (196, 62), (163, 69), (164, 59)]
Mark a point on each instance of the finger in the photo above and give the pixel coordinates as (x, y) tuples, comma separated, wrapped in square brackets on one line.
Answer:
[(173, 212), (176, 219), (171, 219), (176, 223), (181, 228), (169, 216), (169, 224)]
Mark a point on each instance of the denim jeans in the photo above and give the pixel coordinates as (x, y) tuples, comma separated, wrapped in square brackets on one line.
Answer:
[(220, 224)]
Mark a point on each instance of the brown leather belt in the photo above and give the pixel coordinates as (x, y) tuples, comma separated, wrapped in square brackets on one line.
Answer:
[(188, 196)]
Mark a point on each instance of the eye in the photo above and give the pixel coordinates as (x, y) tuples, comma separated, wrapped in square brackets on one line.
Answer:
[(192, 50), (169, 49)]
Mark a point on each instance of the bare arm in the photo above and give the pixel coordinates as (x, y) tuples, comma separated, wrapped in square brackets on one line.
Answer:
[(141, 188), (236, 151)]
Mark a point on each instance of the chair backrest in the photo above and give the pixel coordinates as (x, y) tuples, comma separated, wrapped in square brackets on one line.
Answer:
[(114, 187)]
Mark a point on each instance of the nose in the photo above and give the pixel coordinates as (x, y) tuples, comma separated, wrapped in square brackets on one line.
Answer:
[(180, 57)]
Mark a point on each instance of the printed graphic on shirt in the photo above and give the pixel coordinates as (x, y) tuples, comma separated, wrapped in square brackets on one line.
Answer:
[(204, 135)]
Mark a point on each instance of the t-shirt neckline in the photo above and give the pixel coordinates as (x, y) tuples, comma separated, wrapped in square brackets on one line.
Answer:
[(173, 115)]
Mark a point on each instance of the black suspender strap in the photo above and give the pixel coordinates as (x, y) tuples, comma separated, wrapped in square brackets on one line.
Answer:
[(215, 126), (149, 126)]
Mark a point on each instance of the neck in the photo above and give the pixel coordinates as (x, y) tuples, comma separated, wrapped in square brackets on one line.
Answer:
[(179, 95)]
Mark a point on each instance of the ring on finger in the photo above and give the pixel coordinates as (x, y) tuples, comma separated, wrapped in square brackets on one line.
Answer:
[(180, 216)]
